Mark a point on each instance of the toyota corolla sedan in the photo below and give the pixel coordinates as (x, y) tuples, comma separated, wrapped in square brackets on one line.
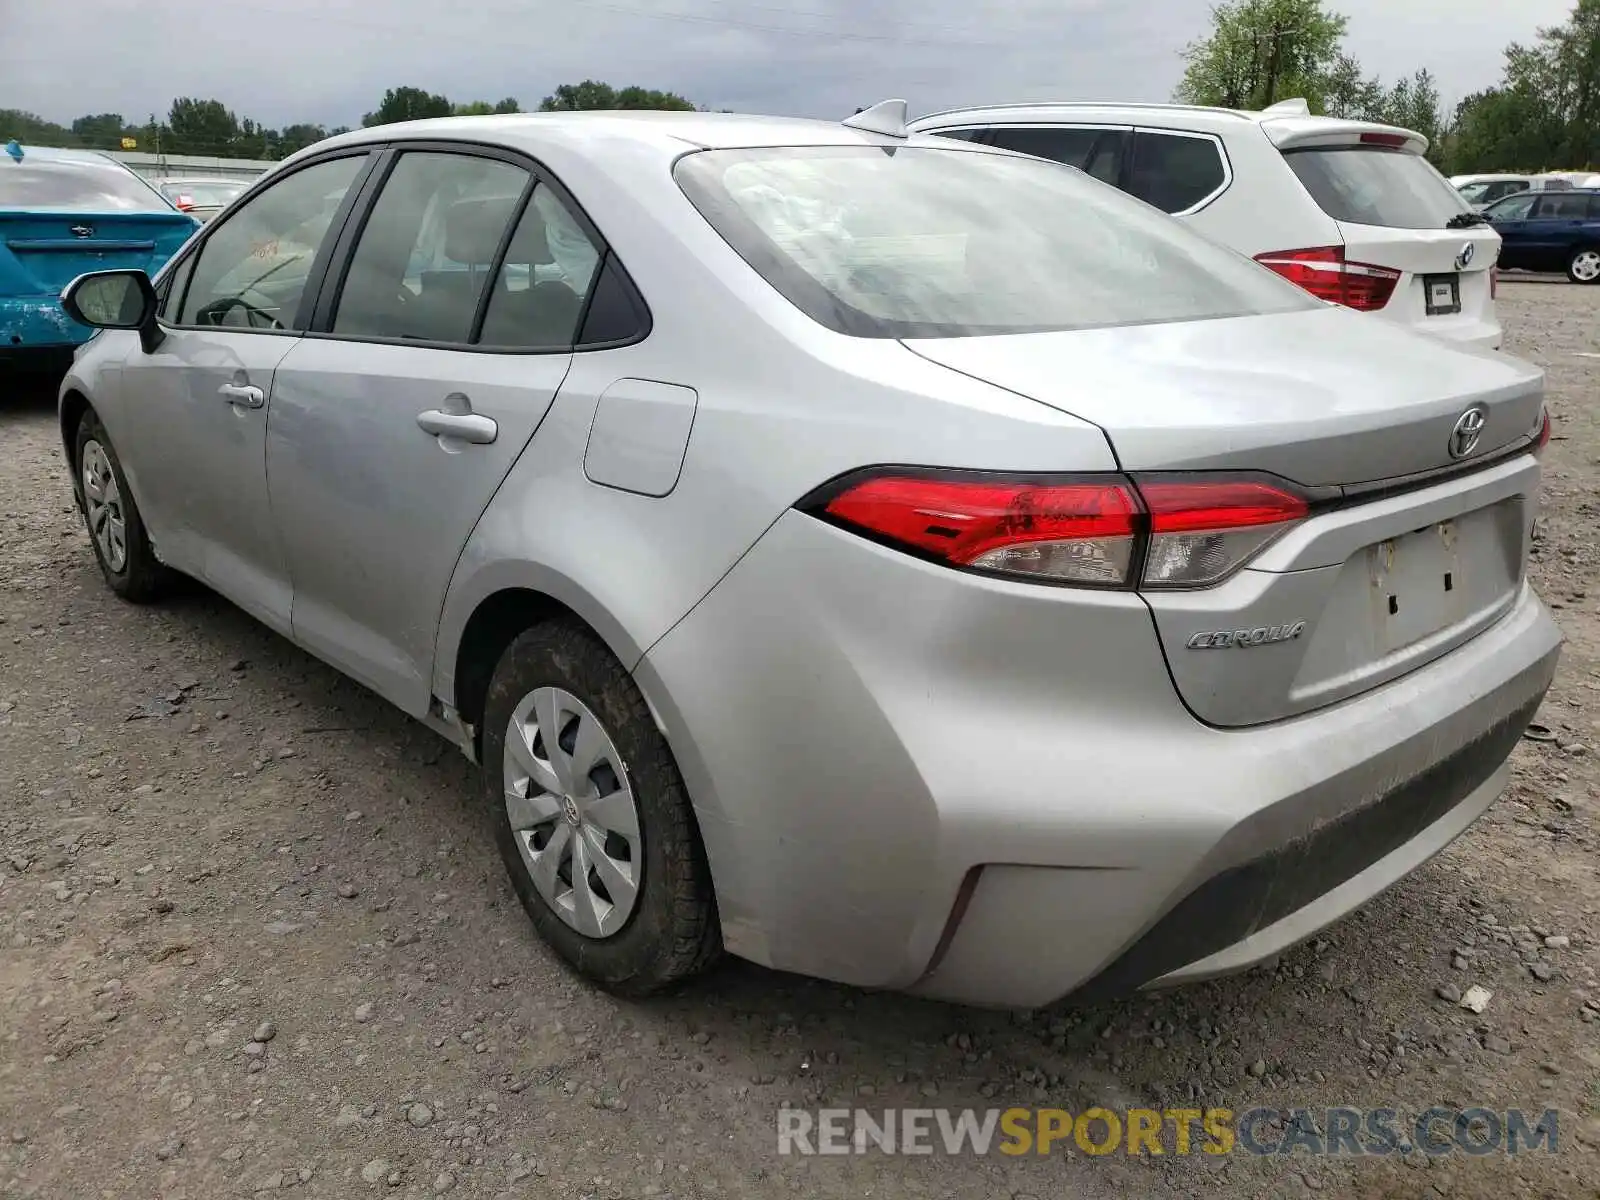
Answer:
[(877, 556)]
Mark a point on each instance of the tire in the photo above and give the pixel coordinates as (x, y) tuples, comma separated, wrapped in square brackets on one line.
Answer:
[(560, 675), (116, 530), (1584, 265)]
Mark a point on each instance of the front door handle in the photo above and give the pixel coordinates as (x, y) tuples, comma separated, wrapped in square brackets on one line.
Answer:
[(464, 427), (242, 395)]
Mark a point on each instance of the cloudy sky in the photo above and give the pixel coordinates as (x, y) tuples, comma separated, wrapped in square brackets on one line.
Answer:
[(328, 61)]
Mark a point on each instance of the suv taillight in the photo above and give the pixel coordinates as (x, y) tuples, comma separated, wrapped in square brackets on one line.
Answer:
[(1152, 531), (1328, 275), (1542, 438)]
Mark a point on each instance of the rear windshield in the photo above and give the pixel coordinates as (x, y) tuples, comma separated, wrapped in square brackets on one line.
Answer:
[(89, 186), (1376, 185), (908, 242), (203, 195)]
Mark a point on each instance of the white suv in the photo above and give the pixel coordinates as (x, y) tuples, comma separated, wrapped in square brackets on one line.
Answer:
[(1349, 210)]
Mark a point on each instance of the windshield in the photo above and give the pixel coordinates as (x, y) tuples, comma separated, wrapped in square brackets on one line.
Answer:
[(1474, 192), (1375, 185), (908, 242), (87, 186), (203, 194)]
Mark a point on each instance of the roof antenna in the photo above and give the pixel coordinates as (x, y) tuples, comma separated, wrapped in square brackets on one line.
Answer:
[(886, 117), (14, 149)]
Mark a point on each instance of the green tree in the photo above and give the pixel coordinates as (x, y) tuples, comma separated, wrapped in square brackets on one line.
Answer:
[(100, 131), (1262, 51), (197, 126), (592, 94), (408, 104), (1414, 104), (30, 128), (1346, 92), (293, 138)]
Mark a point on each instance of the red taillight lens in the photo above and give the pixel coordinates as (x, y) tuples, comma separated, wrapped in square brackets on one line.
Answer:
[(1324, 272), (1543, 439), (1202, 531), (1070, 532), (183, 203), (1396, 140), (1187, 531)]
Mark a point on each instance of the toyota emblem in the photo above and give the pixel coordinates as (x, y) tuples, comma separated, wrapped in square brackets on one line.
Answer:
[(1464, 259), (82, 231), (1468, 429)]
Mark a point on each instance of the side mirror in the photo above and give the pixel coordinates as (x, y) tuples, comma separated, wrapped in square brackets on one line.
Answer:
[(115, 300)]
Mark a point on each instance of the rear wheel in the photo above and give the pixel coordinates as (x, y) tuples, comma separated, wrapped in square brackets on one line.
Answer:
[(116, 530), (1584, 265), (592, 817)]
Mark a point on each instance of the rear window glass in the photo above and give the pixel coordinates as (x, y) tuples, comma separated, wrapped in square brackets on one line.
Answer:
[(1175, 172), (1374, 185), (909, 242), (203, 195), (87, 186)]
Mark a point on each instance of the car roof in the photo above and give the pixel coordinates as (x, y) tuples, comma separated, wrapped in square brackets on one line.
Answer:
[(62, 154), (1290, 122), (169, 180), (671, 133)]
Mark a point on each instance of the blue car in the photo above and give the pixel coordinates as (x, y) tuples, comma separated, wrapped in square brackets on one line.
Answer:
[(1550, 231), (62, 213)]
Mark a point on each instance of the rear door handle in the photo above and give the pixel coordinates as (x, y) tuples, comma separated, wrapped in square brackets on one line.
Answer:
[(465, 427), (242, 395)]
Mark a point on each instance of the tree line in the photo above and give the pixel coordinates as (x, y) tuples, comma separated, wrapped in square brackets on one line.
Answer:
[(1542, 115), (209, 127)]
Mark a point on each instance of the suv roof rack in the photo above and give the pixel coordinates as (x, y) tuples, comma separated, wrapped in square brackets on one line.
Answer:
[(1204, 108)]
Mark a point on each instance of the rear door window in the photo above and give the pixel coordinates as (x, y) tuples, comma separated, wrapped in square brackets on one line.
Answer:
[(1174, 171), (1516, 208), (1376, 185), (1557, 206), (1096, 152)]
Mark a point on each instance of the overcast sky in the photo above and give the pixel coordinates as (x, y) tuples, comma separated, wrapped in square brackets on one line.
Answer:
[(328, 61)]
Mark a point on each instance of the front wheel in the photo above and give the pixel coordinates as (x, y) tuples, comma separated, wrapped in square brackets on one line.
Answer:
[(1584, 265), (592, 817), (116, 530)]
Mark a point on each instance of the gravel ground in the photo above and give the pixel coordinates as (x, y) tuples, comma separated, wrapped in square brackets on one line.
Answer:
[(254, 936)]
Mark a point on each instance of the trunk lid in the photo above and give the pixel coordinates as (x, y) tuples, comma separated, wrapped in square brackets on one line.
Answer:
[(1327, 399), (41, 251)]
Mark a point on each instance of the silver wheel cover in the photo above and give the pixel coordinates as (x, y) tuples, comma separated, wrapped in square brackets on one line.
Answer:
[(572, 812), (103, 506), (1586, 266)]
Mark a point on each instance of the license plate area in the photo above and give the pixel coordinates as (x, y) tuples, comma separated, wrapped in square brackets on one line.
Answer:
[(1440, 576), (1442, 294)]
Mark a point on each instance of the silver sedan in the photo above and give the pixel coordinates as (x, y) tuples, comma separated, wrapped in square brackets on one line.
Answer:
[(877, 556)]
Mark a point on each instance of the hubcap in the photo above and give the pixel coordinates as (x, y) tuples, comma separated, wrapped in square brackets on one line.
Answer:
[(103, 506), (572, 811), (1586, 266)]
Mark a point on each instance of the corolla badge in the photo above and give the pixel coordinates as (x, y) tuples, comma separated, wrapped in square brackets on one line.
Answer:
[(1468, 429), (1464, 258), (1244, 639)]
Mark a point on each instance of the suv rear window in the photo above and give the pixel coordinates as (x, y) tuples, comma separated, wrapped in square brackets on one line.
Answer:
[(917, 242), (1376, 185), (82, 186)]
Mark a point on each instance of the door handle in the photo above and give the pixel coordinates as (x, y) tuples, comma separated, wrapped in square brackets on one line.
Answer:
[(242, 395), (464, 427)]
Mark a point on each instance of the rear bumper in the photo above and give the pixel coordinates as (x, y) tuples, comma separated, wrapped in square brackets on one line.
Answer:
[(989, 792), (1479, 333), (36, 323)]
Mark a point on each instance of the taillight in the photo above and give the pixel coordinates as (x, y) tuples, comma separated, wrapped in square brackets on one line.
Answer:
[(1326, 274), (184, 203), (1069, 532), (1202, 530), (1543, 438), (1100, 531), (1396, 140)]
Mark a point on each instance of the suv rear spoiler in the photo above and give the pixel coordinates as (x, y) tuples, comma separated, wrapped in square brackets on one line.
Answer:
[(1305, 133)]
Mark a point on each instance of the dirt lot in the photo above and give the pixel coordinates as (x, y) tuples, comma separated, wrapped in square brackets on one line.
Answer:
[(256, 937)]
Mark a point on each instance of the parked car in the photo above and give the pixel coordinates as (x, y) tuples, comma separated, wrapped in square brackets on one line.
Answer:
[(204, 198), (883, 557), (64, 212), (1550, 231), (1480, 191), (1349, 210)]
